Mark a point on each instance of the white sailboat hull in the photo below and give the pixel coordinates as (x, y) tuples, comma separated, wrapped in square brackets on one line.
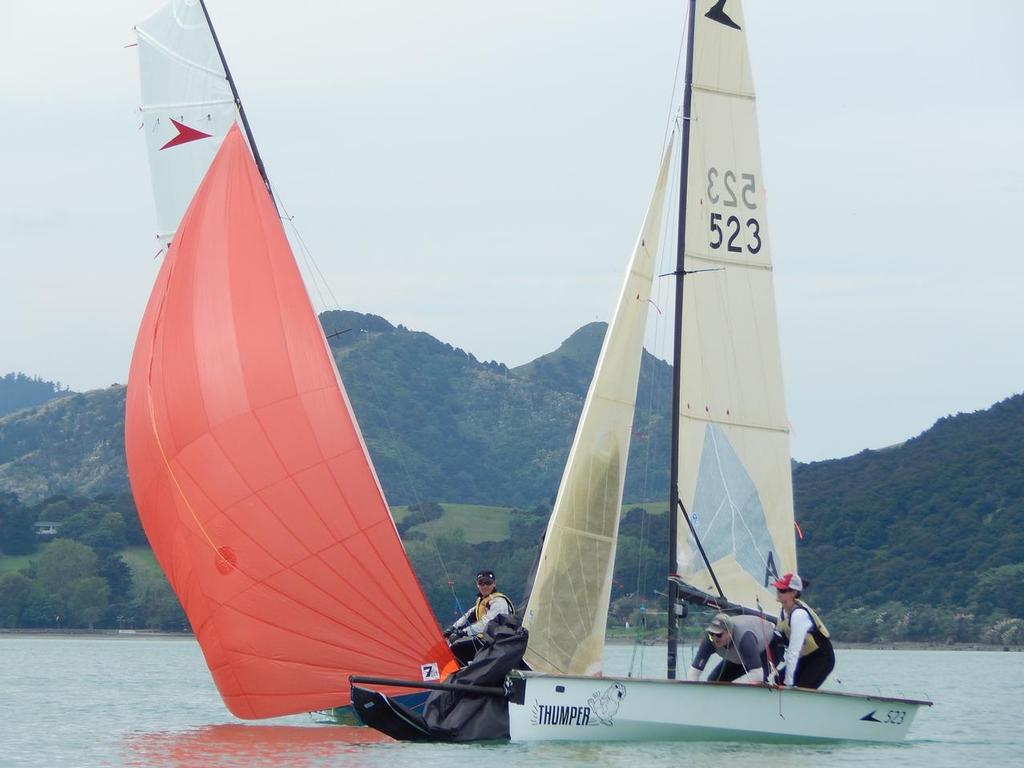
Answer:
[(563, 708)]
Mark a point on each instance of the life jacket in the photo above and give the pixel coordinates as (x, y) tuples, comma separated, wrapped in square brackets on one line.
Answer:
[(483, 603), (817, 637)]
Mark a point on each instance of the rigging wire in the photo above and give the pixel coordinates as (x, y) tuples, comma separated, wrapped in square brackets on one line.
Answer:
[(419, 503), (662, 294), (312, 266), (651, 400), (664, 289), (319, 285), (666, 248)]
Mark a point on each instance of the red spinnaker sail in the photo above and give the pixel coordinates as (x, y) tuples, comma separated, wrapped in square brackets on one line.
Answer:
[(249, 472)]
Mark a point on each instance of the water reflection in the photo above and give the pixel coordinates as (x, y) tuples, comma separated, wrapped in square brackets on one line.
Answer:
[(238, 744)]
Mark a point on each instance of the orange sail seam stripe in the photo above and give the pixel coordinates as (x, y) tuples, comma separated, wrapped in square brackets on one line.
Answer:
[(307, 665), (228, 670), (400, 631), (170, 472), (427, 635), (431, 629), (408, 651)]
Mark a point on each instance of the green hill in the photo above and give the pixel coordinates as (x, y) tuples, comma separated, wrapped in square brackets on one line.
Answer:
[(924, 540), (570, 367), (439, 423), (935, 521), (19, 391), (73, 445)]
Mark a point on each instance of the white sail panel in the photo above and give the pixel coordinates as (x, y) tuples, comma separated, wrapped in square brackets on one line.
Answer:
[(721, 61), (568, 607), (187, 105), (734, 478)]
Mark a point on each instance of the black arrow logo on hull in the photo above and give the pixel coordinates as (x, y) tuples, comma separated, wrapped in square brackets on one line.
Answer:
[(870, 717)]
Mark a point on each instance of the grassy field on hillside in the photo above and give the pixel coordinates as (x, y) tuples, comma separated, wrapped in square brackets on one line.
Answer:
[(17, 562), (483, 523), (141, 561), (652, 507), (478, 523)]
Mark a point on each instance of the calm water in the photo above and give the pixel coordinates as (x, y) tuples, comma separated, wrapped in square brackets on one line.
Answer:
[(133, 701)]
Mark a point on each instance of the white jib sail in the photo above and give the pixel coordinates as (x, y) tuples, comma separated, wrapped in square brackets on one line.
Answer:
[(568, 607), (187, 105), (735, 478)]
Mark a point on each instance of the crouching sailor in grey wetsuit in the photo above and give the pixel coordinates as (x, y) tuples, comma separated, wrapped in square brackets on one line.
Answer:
[(742, 642)]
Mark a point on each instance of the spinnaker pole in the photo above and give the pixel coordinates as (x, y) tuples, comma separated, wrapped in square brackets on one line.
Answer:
[(675, 503)]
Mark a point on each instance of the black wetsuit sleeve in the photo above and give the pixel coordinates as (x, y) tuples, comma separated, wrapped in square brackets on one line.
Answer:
[(703, 654)]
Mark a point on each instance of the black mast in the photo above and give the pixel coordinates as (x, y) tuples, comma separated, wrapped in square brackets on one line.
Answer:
[(238, 104), (675, 504)]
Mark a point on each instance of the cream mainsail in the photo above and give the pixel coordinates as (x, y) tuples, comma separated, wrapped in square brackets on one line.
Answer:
[(734, 475), (734, 469), (568, 606)]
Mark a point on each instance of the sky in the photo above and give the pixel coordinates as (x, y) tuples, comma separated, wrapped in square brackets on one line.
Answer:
[(479, 170)]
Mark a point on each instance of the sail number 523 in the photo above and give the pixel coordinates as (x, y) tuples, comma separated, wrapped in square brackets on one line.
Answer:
[(722, 187), (731, 234), (726, 189)]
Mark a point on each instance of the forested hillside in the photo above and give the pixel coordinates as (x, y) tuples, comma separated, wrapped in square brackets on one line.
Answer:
[(73, 445), (926, 538), (921, 541), (439, 424), (442, 425)]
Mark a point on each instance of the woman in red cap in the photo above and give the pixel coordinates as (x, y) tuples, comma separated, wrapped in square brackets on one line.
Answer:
[(809, 654)]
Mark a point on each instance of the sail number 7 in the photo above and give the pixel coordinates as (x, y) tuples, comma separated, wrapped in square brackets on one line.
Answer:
[(733, 232)]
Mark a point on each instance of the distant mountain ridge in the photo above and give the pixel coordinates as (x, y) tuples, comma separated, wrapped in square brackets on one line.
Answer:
[(931, 518), (439, 424), (442, 425), (922, 540), (19, 391), (70, 445)]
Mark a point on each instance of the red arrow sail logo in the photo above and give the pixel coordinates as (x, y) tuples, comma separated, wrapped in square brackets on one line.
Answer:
[(185, 135)]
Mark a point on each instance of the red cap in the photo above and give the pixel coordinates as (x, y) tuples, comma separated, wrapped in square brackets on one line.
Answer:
[(790, 581)]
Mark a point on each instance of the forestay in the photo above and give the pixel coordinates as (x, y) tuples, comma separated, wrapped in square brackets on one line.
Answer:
[(187, 105), (250, 474), (568, 605), (734, 477)]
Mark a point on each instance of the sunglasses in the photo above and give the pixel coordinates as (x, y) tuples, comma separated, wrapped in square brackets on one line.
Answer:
[(715, 635), (484, 582)]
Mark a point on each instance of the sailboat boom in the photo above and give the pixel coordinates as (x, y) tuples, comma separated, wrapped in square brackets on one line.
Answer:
[(700, 547)]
